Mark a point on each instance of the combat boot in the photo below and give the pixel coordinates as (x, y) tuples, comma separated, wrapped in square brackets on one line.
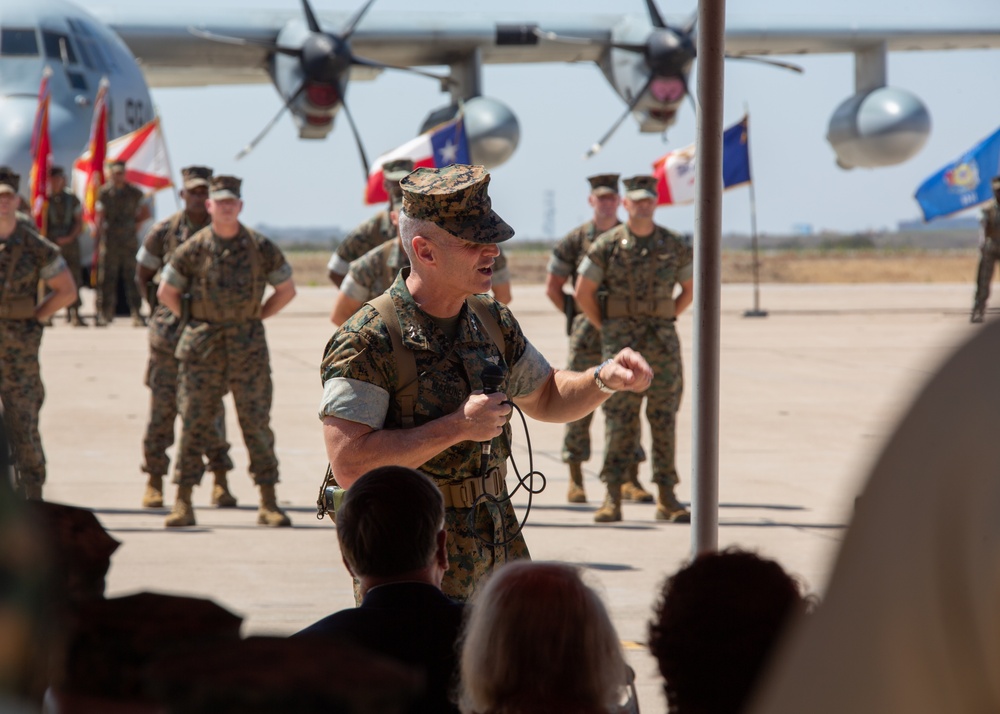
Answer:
[(632, 490), (221, 498), (138, 320), (612, 509), (668, 508), (183, 513), (153, 497), (978, 311), (74, 318), (576, 493), (269, 513), (100, 320)]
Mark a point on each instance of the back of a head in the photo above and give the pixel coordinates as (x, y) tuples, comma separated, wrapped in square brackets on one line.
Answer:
[(377, 508), (538, 639), (716, 624)]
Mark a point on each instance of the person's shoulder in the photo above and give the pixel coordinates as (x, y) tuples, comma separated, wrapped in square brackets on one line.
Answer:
[(671, 235), (612, 234), (35, 241), (162, 226)]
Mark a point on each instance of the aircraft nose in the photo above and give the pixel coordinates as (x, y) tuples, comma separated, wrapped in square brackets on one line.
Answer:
[(67, 133)]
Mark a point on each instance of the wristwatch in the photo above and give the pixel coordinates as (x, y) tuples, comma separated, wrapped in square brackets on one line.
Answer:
[(600, 382)]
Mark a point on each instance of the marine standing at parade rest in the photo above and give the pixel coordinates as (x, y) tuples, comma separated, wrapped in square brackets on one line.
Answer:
[(374, 232), (164, 332), (374, 272), (119, 210), (63, 224), (639, 266), (990, 252), (584, 337), (25, 258), (436, 324), (225, 268)]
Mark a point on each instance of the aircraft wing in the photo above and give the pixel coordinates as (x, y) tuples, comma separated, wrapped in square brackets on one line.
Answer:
[(171, 55)]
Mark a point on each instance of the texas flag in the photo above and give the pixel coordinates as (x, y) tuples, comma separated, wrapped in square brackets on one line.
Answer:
[(443, 145), (675, 170)]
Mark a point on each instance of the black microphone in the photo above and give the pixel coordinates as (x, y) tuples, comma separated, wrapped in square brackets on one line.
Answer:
[(492, 379)]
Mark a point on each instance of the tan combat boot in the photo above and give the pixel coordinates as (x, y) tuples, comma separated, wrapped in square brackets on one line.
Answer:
[(221, 498), (74, 318), (183, 513), (138, 320), (269, 514), (632, 490), (153, 497), (668, 508), (576, 493), (101, 320), (612, 509)]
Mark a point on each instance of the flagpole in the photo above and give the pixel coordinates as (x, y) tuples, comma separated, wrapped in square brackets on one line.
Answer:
[(756, 311)]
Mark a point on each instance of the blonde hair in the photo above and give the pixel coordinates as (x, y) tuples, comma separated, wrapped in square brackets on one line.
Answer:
[(539, 640)]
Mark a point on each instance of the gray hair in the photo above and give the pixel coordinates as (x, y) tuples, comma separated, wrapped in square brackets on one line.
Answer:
[(410, 228)]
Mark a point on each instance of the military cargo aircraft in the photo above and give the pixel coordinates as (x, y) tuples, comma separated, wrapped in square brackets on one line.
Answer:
[(311, 58)]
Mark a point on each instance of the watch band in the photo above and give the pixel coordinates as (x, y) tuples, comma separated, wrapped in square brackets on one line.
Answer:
[(600, 382)]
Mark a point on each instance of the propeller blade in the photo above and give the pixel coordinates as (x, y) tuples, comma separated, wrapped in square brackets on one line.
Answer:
[(311, 20), (691, 24), (363, 62), (654, 14), (614, 127), (256, 140), (357, 136), (353, 22), (244, 41), (774, 63)]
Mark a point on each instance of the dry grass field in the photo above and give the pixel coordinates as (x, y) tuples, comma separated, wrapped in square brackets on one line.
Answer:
[(865, 266)]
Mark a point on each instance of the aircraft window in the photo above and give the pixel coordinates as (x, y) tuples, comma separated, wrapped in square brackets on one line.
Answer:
[(19, 43), (57, 46), (77, 81)]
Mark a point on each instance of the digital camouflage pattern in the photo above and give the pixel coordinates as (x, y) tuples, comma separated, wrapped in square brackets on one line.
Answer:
[(456, 199), (230, 356), (640, 187), (990, 253), (585, 339), (196, 177), (223, 187), (372, 233), (163, 367), (448, 372), (116, 253), (64, 207), (648, 269), (372, 274), (21, 390), (602, 184)]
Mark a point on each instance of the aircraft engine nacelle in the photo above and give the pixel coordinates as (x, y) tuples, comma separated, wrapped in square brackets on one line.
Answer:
[(880, 127), (491, 127), (317, 105)]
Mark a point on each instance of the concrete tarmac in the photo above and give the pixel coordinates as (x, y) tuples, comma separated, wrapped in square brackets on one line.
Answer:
[(809, 395)]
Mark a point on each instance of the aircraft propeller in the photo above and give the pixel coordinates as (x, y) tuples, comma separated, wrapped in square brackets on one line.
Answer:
[(325, 60), (668, 52)]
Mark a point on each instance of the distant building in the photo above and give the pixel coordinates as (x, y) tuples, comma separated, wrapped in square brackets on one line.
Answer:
[(956, 223)]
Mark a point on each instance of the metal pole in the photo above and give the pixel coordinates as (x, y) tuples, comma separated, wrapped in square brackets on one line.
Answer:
[(707, 276), (756, 312)]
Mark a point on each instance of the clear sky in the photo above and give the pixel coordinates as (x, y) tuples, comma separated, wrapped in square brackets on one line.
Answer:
[(563, 109)]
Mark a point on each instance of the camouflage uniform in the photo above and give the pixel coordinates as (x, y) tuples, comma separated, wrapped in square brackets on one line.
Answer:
[(990, 250), (25, 259), (372, 233), (643, 271), (64, 208), (375, 271), (359, 377), (223, 347), (116, 257), (162, 370), (585, 339)]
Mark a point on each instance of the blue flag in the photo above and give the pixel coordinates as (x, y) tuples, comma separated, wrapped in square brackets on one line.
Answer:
[(736, 154), (964, 183)]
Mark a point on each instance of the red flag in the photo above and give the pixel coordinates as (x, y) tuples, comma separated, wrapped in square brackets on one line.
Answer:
[(41, 155), (88, 170)]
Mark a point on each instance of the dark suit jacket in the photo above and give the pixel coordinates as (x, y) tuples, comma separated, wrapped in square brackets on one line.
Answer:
[(413, 623)]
